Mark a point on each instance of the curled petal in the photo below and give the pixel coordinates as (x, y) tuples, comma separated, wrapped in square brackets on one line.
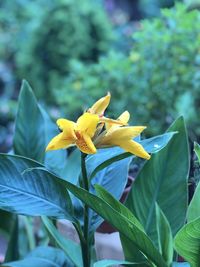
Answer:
[(135, 148), (100, 106), (122, 120), (67, 127), (116, 135)]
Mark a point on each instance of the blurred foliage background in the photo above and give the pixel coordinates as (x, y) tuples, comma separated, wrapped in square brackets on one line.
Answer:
[(146, 53)]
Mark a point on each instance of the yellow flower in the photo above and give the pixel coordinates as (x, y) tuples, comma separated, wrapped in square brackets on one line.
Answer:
[(79, 134), (115, 135)]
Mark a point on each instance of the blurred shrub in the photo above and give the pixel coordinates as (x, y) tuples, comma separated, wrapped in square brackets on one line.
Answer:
[(157, 82), (87, 83), (69, 30), (167, 69)]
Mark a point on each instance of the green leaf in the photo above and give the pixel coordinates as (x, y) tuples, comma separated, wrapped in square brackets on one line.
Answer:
[(28, 193), (197, 150), (6, 222), (71, 249), (72, 167), (113, 178), (165, 239), (135, 254), (163, 179), (12, 252), (151, 145), (187, 242), (106, 263), (193, 211), (29, 137), (42, 256)]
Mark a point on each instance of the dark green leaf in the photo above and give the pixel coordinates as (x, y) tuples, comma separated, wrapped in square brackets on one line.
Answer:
[(29, 137), (193, 211), (71, 249), (28, 193), (187, 242), (165, 239), (197, 150), (12, 252), (163, 179)]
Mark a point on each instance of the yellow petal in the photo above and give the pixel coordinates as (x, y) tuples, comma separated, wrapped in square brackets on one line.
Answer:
[(87, 123), (134, 148), (85, 144), (100, 106), (123, 119), (59, 141), (115, 135), (67, 127)]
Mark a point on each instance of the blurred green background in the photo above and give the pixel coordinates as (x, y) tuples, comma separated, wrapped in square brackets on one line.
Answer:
[(146, 53)]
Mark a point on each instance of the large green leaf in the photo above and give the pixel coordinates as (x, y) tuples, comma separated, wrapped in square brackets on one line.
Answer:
[(42, 256), (71, 249), (193, 211), (180, 264), (165, 239), (187, 242), (29, 137), (29, 193), (118, 220), (163, 179)]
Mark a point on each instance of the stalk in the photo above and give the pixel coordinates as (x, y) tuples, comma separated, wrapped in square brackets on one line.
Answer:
[(86, 252)]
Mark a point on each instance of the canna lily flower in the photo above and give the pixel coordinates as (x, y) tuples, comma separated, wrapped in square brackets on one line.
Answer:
[(79, 134), (116, 135)]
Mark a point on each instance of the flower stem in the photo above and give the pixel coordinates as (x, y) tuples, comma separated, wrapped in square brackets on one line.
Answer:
[(86, 245)]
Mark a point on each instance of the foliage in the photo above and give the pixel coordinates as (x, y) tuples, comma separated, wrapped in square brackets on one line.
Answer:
[(64, 32), (161, 76), (30, 187)]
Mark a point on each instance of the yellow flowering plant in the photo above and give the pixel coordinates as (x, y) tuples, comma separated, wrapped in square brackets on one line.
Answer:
[(37, 183)]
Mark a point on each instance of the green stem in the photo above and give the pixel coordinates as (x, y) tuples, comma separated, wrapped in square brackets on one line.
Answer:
[(86, 245)]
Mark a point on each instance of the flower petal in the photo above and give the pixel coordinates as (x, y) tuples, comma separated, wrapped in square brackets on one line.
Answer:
[(135, 148), (116, 135), (100, 106), (85, 144), (59, 141), (67, 127), (87, 123), (122, 119)]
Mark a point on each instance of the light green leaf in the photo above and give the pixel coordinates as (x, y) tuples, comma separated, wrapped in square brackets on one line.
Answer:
[(180, 264), (28, 193), (72, 167), (71, 249), (187, 242), (42, 256), (163, 179), (197, 150), (29, 137), (193, 211), (106, 263), (165, 239)]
